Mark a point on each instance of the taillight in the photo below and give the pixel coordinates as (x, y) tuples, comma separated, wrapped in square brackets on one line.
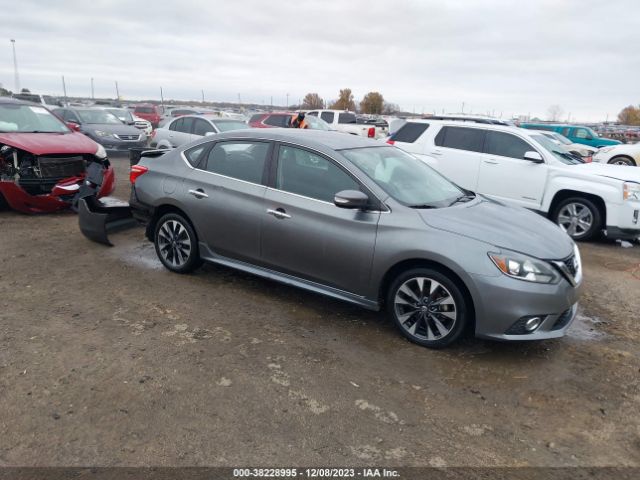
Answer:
[(136, 171), (391, 141), (372, 132), (153, 133)]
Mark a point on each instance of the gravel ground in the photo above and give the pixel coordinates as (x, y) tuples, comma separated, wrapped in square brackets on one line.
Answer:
[(108, 359)]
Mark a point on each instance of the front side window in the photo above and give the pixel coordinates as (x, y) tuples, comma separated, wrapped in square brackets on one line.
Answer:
[(202, 127), (506, 145), (327, 117), (461, 138), (239, 160), (404, 177), (581, 133), (193, 155), (310, 175), (186, 125), (565, 131)]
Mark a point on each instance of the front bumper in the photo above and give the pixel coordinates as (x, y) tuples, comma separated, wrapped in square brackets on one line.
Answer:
[(501, 301), (623, 220), (115, 145)]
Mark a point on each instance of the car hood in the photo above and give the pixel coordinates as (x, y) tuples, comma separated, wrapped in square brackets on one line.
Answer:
[(112, 128), (618, 172), (50, 143), (513, 228)]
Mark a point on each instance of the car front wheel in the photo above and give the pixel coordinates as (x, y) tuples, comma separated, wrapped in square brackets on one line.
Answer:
[(579, 217), (622, 161), (428, 307), (176, 244)]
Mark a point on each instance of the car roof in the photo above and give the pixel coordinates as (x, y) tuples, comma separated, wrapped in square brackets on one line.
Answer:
[(317, 139)]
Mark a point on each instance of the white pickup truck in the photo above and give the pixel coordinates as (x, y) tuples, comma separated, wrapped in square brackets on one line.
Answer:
[(345, 121), (525, 168)]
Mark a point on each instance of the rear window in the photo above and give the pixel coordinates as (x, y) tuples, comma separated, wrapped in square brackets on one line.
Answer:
[(461, 138), (410, 132), (144, 110), (278, 120)]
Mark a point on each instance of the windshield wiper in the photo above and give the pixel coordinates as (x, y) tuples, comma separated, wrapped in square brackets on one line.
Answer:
[(40, 131), (463, 199), (423, 205)]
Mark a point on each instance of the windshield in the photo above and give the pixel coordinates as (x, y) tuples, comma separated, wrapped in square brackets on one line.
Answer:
[(558, 152), (404, 177), (316, 123), (98, 117), (26, 118), (561, 138), (592, 133), (226, 126), (122, 113)]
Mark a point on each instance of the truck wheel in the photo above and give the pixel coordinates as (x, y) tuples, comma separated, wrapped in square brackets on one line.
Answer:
[(622, 161), (579, 217), (176, 243), (427, 307)]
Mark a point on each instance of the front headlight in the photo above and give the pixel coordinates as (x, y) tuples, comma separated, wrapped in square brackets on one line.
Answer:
[(102, 133), (101, 153), (631, 191), (525, 268)]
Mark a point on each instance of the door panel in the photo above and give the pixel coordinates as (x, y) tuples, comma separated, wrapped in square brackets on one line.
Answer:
[(226, 198), (505, 175)]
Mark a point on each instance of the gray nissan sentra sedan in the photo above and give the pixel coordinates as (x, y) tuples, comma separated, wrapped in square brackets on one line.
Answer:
[(363, 222)]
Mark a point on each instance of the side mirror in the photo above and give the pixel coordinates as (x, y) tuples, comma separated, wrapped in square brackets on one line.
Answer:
[(588, 137), (533, 157), (351, 199), (74, 126), (208, 134)]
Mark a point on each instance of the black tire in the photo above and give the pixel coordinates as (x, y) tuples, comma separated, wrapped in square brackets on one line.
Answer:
[(422, 325), (3, 203), (620, 160), (578, 232), (176, 243)]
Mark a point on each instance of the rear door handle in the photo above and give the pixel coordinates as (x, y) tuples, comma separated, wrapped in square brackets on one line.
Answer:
[(490, 162), (199, 193), (278, 213), (436, 152)]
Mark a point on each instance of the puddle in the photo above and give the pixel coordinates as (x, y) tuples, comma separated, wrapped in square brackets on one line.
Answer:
[(139, 256), (585, 328)]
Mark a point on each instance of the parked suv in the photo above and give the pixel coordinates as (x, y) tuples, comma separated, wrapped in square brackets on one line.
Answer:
[(525, 168), (363, 222), (149, 112)]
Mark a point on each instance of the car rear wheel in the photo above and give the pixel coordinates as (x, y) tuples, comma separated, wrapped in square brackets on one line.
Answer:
[(427, 307), (622, 161), (176, 243), (579, 217)]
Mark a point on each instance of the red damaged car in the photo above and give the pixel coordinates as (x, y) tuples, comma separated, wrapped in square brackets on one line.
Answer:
[(45, 166)]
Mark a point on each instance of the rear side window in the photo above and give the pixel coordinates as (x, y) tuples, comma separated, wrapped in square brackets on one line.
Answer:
[(410, 132), (313, 114), (347, 118), (256, 117), (565, 131), (461, 138), (187, 125), (277, 120), (506, 145), (176, 125), (327, 117), (239, 160), (194, 155), (202, 127)]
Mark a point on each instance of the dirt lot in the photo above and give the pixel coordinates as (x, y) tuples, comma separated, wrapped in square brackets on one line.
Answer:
[(108, 359)]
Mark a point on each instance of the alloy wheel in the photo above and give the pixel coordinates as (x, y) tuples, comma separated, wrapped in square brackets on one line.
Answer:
[(576, 219), (425, 308), (174, 243)]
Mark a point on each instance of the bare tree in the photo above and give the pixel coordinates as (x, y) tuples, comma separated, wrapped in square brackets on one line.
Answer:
[(554, 112), (629, 115), (373, 102), (345, 101), (312, 101)]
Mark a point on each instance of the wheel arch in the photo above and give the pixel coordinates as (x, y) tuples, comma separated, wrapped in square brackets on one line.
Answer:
[(158, 213), (411, 263), (567, 193), (623, 155)]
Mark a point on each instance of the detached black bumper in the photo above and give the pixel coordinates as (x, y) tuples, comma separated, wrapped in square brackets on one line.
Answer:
[(98, 218)]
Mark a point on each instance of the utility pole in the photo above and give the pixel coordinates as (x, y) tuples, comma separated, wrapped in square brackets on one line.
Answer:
[(161, 98), (92, 90), (117, 91), (16, 78), (64, 89), (202, 95), (462, 111), (287, 101), (271, 102)]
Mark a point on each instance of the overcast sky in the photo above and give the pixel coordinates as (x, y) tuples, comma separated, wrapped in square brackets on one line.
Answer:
[(507, 57)]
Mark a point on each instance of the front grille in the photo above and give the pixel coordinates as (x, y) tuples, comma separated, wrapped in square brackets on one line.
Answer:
[(570, 263), (140, 125), (564, 318), (129, 138), (61, 167)]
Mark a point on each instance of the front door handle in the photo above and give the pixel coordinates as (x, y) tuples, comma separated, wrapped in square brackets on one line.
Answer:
[(278, 213), (436, 152), (199, 193)]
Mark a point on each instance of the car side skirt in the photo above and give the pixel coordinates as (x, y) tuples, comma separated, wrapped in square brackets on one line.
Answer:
[(209, 256)]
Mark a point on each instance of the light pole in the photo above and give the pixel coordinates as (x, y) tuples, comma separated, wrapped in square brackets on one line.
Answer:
[(287, 101), (15, 67)]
